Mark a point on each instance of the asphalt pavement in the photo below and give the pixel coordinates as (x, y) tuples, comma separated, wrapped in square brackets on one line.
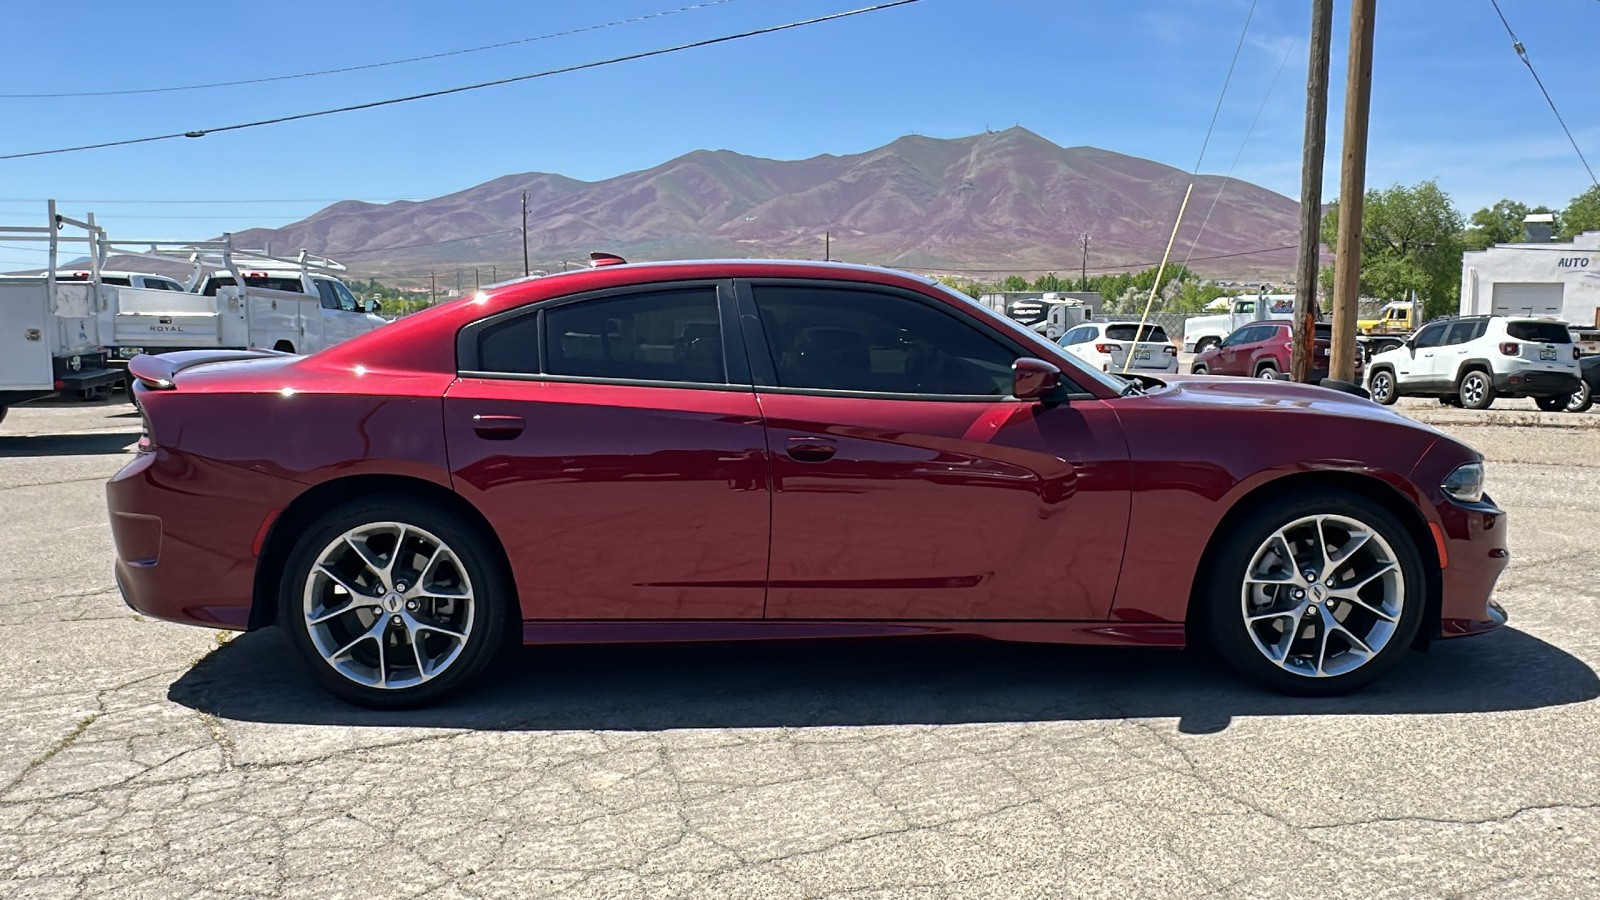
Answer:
[(145, 759)]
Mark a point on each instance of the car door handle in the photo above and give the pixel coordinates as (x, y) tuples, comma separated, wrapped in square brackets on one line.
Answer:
[(498, 428), (811, 449)]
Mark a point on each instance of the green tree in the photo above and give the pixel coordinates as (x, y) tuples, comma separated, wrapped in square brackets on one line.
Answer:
[(1411, 240), (966, 286), (1014, 284), (1049, 281), (1582, 214), (1500, 224)]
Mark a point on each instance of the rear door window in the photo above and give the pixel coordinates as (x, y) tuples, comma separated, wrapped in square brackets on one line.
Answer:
[(668, 335), (1431, 336), (1460, 332), (1540, 332), (1121, 332)]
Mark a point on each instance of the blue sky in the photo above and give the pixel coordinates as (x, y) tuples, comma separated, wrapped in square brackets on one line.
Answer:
[(1450, 99)]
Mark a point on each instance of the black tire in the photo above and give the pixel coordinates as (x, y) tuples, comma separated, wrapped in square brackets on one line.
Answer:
[(1552, 404), (489, 628), (1222, 598), (283, 347), (1200, 369), (1384, 388), (1450, 400), (1580, 401), (1268, 372), (3, 411), (1476, 390), (1206, 344)]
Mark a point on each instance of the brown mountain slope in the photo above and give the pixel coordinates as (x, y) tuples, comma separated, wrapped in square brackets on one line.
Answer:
[(1008, 200)]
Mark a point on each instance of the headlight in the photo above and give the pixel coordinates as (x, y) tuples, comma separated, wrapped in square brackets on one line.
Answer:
[(1465, 484)]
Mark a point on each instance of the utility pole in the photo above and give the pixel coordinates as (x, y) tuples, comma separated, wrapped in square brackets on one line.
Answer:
[(433, 290), (827, 246), (475, 282), (458, 281), (1083, 274), (1352, 189), (524, 234), (494, 274), (1315, 149)]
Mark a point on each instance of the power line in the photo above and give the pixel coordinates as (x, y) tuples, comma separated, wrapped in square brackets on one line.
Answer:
[(376, 200), (377, 65), (470, 237), (1522, 54), (469, 87), (1110, 268), (1225, 82)]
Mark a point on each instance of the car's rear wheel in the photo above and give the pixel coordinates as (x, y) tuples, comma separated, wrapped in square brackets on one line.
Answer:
[(1551, 404), (1316, 594), (1450, 400), (393, 603), (1476, 390), (1206, 344), (1268, 372), (1383, 387), (1200, 369), (1580, 401)]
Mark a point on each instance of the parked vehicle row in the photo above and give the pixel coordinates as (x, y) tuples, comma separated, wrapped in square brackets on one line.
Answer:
[(68, 330)]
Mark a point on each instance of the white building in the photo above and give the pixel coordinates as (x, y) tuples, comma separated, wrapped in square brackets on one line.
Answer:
[(1535, 278)]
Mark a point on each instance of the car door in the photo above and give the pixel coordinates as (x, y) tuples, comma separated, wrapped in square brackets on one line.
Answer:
[(614, 443), (907, 483), (1417, 367), (332, 321), (352, 318), (1228, 361), (1454, 351)]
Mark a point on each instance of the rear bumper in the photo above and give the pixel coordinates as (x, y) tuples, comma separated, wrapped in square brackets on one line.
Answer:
[(184, 546), (1536, 384), (89, 380)]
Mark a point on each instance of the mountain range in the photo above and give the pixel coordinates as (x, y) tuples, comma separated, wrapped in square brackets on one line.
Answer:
[(993, 203)]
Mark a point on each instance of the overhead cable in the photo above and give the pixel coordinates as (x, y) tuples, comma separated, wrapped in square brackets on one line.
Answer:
[(278, 120)]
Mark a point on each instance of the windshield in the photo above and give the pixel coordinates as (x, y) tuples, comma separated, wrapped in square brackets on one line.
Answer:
[(1029, 338)]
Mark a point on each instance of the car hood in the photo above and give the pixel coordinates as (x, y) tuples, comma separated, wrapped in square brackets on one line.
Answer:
[(1239, 394)]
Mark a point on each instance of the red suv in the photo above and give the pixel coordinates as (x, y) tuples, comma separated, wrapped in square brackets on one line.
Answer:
[(1262, 350)]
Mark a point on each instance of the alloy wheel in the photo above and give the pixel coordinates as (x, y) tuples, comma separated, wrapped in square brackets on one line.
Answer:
[(1473, 389), (1581, 399), (1322, 596), (389, 606), (1268, 374), (1382, 385)]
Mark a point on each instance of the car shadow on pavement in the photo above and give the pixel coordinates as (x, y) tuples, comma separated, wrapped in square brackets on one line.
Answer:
[(257, 678), (96, 443)]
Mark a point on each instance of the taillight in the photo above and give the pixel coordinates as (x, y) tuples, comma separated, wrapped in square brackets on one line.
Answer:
[(1171, 350), (1576, 353), (1511, 348), (1108, 348)]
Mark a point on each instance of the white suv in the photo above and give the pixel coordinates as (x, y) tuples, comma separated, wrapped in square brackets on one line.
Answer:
[(1106, 345), (1471, 361)]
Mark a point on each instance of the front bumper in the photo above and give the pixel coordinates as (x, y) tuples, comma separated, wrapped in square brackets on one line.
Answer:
[(1476, 553)]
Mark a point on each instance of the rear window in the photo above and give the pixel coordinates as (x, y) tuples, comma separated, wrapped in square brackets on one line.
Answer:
[(270, 282), (1541, 332), (1322, 332), (1126, 332)]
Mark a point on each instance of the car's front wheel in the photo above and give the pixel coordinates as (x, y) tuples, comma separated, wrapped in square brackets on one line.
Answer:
[(1552, 404), (393, 603), (1383, 388), (1315, 594)]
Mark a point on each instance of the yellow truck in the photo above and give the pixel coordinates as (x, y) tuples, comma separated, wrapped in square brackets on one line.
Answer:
[(1393, 318)]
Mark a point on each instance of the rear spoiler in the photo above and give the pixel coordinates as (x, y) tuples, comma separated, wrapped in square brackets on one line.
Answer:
[(160, 373)]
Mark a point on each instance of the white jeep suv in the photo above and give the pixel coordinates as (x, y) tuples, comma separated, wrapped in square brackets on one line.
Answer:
[(1472, 360)]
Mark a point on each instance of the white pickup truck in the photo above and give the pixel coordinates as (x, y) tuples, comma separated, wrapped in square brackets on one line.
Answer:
[(49, 329), (247, 301), (1201, 333)]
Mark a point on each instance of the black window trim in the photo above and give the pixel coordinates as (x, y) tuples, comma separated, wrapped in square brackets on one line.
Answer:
[(733, 355), (763, 369)]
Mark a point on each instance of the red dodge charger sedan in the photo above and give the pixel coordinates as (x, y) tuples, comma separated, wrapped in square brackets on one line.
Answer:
[(744, 450)]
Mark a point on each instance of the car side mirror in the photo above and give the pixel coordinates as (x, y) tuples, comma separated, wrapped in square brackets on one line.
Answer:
[(1033, 379), (373, 306)]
